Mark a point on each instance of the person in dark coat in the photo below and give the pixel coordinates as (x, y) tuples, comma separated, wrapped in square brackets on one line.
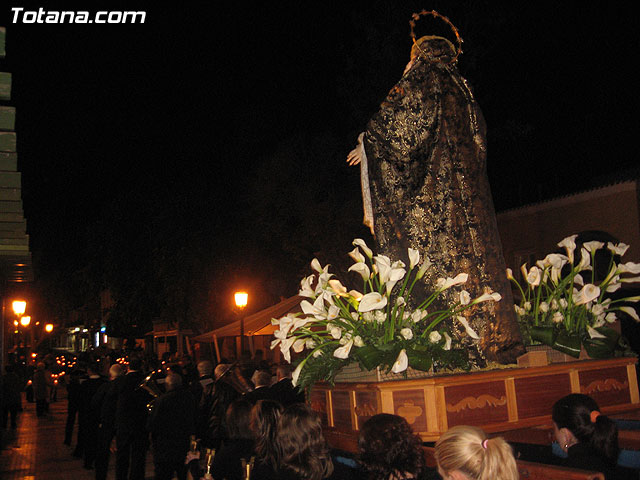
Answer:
[(283, 390), (42, 383), (11, 401), (73, 406), (90, 415), (262, 390), (223, 395), (105, 401), (132, 439), (227, 464), (171, 423)]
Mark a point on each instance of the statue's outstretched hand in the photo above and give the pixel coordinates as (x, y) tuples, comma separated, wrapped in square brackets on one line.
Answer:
[(355, 156)]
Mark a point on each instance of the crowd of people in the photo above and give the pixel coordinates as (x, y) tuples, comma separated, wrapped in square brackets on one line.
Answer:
[(243, 421)]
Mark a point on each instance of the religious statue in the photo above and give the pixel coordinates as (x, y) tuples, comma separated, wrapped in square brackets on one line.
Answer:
[(424, 185)]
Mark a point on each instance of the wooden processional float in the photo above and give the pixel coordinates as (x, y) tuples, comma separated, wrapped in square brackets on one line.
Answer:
[(496, 401)]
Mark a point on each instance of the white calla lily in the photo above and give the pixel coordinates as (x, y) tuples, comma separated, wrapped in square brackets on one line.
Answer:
[(447, 341), (357, 341), (587, 294), (465, 297), (444, 284), (338, 288), (335, 331), (362, 269), (614, 286), (629, 267), (435, 337), (631, 312), (315, 265), (401, 363), (593, 245), (534, 276), (333, 312), (372, 301), (299, 345), (585, 260), (414, 257), (296, 374), (360, 243), (343, 352), (569, 244), (316, 309), (356, 295), (619, 249), (306, 290), (356, 255), (470, 331), (593, 333), (285, 346), (486, 297), (423, 268), (383, 265)]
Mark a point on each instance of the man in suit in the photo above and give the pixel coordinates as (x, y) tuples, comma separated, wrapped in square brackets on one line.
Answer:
[(105, 401), (262, 390), (171, 423), (283, 390), (132, 439)]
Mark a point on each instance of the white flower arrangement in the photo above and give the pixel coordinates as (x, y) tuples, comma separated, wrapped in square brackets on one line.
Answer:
[(377, 326), (562, 304)]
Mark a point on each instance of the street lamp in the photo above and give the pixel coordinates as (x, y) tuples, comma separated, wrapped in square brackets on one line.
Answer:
[(25, 321), (48, 328), (19, 307), (241, 299)]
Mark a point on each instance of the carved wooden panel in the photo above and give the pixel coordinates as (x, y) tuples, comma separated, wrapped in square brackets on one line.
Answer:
[(483, 404), (366, 406), (341, 410), (536, 395), (410, 405), (608, 386), (319, 404)]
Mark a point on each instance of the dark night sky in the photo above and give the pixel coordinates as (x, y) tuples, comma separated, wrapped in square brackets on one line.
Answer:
[(188, 105)]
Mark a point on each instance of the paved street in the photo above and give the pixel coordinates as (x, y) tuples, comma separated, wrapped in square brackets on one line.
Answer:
[(36, 449)]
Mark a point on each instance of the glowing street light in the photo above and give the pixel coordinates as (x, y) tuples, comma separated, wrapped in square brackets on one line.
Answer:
[(48, 328), (241, 299), (25, 321), (19, 307)]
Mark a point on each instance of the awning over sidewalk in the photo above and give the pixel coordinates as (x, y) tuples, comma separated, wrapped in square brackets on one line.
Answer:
[(257, 324)]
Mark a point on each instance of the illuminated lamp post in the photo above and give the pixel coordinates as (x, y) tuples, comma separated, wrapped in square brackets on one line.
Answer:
[(19, 307), (48, 328), (241, 298)]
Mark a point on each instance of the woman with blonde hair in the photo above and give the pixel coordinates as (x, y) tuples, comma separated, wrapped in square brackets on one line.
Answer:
[(466, 453)]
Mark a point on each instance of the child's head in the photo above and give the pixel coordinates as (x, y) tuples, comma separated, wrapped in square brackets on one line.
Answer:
[(466, 453)]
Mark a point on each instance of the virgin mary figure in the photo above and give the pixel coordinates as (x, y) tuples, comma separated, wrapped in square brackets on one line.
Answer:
[(424, 185)]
